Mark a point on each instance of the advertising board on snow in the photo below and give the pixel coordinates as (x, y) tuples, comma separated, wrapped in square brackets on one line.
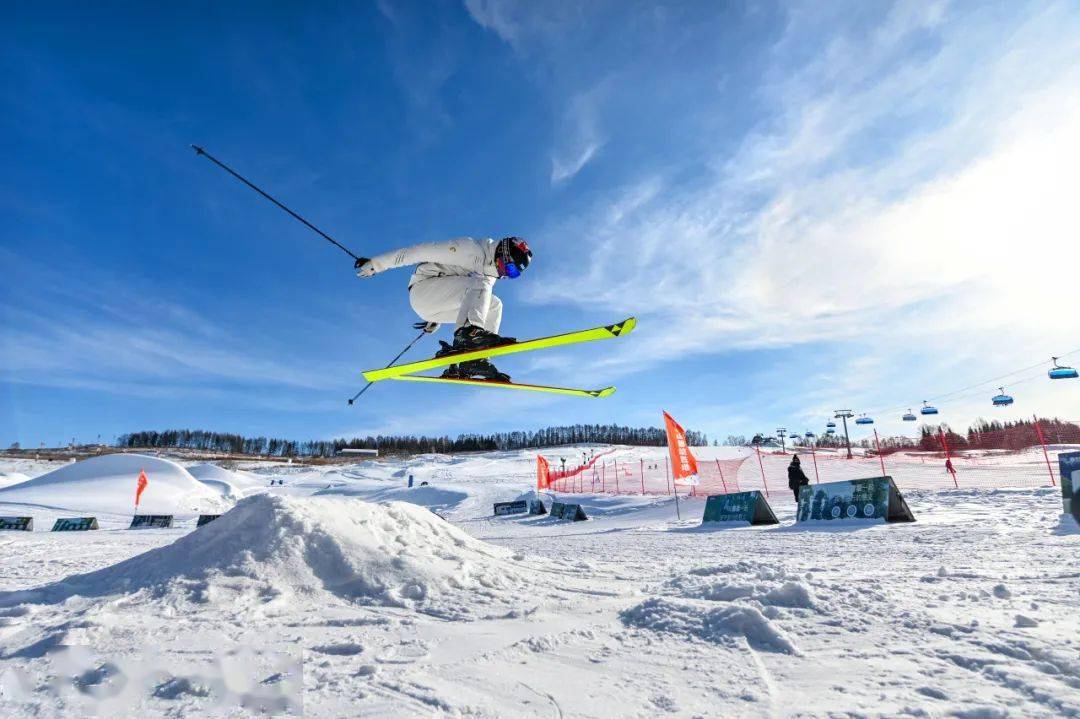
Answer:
[(75, 524), (748, 507), (518, 507), (870, 498), (151, 521), (573, 512), (206, 519), (19, 524), (1069, 462)]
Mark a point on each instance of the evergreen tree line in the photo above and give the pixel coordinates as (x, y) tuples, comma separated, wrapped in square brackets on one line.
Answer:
[(262, 446), (1001, 435), (983, 434)]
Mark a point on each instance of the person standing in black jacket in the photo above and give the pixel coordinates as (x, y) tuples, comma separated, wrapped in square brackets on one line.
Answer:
[(796, 478)]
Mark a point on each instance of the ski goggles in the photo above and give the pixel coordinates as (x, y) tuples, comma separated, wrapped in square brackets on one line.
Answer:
[(508, 269)]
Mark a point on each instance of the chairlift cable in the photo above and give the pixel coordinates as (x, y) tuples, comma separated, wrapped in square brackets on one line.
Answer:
[(981, 385)]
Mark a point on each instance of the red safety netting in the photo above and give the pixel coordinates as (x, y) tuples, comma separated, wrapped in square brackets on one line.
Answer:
[(547, 477), (914, 469), (651, 476), (767, 471), (991, 455)]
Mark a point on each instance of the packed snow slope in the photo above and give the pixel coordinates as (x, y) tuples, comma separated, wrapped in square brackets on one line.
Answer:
[(9, 478), (329, 596), (107, 484), (231, 483)]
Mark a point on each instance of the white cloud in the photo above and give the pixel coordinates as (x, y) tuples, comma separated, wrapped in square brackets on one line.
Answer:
[(909, 199), (495, 16), (89, 331), (544, 33), (564, 167), (578, 138)]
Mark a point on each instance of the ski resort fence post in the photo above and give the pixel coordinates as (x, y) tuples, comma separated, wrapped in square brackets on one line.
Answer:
[(813, 454), (615, 464), (1046, 455), (762, 468), (721, 476), (642, 475), (877, 446), (948, 458), (667, 478)]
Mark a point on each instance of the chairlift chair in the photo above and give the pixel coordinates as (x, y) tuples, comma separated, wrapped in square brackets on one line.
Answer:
[(928, 408), (830, 425), (910, 416), (864, 420), (1061, 371), (1002, 400)]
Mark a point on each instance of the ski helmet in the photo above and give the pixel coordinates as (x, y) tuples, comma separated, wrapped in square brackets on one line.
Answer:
[(512, 256)]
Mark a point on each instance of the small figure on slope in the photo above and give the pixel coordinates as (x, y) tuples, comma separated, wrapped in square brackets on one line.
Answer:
[(453, 282), (796, 478)]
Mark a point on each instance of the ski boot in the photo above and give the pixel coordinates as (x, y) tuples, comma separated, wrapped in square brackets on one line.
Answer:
[(475, 369), (468, 337)]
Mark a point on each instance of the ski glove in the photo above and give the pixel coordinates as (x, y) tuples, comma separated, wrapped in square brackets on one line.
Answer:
[(428, 327), (364, 267)]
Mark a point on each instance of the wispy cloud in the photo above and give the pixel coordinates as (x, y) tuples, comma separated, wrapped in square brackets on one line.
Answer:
[(92, 332), (578, 138), (496, 16), (543, 34), (422, 66), (906, 194)]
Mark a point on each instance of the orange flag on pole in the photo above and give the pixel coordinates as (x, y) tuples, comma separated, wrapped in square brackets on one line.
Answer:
[(683, 464), (140, 486), (542, 479)]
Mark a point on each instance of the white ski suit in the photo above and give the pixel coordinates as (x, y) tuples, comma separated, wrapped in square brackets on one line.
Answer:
[(453, 281)]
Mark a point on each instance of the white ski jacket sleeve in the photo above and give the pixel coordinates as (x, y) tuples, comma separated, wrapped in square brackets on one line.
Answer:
[(459, 256)]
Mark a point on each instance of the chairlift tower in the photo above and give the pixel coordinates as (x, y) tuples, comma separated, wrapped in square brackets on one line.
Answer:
[(844, 414), (781, 432)]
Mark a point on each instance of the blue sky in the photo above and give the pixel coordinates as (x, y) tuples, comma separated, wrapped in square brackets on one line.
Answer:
[(807, 206)]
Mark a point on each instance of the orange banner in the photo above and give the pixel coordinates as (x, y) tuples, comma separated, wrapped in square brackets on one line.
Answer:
[(143, 481), (683, 464), (543, 480)]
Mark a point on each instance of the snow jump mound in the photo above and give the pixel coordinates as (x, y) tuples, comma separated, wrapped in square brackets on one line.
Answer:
[(279, 551), (107, 484), (229, 483)]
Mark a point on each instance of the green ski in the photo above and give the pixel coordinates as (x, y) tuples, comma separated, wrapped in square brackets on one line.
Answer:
[(596, 333), (595, 393)]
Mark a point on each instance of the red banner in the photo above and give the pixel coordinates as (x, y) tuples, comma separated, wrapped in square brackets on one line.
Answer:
[(683, 464), (543, 473), (143, 481)]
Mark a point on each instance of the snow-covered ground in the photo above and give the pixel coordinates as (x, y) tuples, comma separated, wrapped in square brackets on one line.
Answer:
[(107, 484), (344, 593)]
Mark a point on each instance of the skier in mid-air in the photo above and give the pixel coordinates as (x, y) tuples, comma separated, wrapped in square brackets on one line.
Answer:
[(453, 282)]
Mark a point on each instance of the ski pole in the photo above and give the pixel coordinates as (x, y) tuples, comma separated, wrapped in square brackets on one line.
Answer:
[(237, 175), (399, 354)]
